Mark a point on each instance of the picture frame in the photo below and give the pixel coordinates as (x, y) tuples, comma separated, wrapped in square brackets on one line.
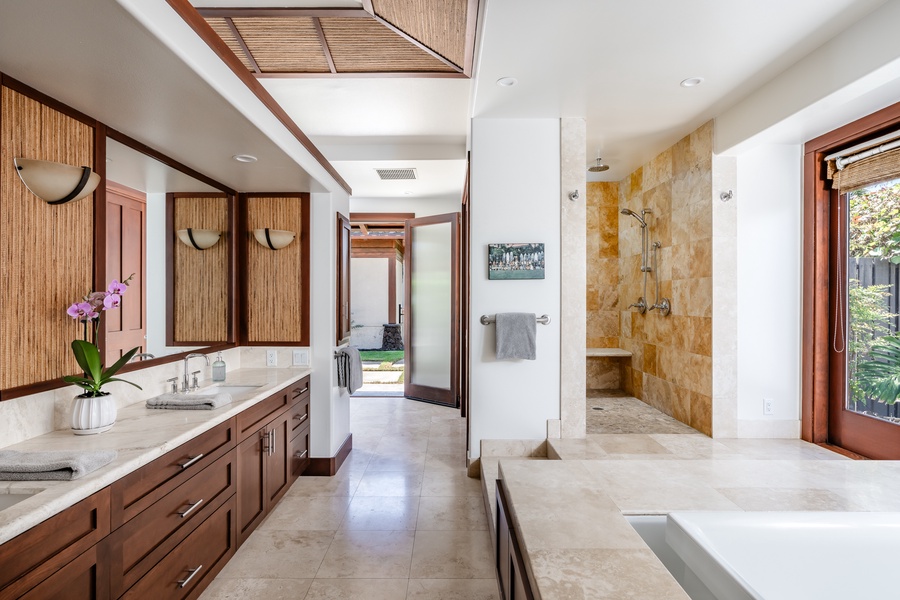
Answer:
[(516, 261)]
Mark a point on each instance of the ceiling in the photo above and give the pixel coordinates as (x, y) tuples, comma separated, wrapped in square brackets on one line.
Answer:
[(617, 64)]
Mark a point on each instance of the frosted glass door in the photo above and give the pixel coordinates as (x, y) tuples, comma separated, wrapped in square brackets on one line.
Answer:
[(432, 316)]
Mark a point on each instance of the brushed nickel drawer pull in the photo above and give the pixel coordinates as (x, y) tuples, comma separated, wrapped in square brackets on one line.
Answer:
[(298, 393), (193, 572), (191, 461), (272, 443), (191, 508), (302, 417), (266, 442), (301, 454)]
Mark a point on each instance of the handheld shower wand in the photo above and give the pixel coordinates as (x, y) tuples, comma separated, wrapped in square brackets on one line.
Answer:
[(641, 304)]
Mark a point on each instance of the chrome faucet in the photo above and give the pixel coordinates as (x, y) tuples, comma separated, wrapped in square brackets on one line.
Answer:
[(143, 356), (185, 386)]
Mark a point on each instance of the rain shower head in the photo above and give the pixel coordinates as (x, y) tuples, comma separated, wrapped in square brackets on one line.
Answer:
[(599, 167), (628, 211)]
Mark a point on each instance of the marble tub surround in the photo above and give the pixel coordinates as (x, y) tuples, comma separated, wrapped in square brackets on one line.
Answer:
[(38, 414), (139, 436)]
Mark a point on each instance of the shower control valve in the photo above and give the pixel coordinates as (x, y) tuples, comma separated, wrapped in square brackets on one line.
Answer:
[(640, 305)]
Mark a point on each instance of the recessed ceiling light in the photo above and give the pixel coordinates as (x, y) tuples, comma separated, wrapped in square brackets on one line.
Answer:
[(692, 82), (507, 81), (244, 158)]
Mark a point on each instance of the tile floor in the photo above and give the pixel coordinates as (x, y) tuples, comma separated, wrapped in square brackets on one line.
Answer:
[(401, 520)]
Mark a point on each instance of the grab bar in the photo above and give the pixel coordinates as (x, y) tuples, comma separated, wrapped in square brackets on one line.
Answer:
[(543, 319)]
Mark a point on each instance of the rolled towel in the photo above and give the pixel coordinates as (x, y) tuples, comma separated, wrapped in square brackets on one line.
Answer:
[(183, 402), (51, 465)]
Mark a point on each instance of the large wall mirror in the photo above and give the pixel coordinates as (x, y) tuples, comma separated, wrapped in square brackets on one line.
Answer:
[(174, 233)]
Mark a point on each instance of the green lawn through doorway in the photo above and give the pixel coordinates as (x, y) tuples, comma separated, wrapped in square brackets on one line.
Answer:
[(381, 356)]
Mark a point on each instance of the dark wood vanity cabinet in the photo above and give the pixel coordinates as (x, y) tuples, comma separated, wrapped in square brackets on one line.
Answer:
[(265, 457), (511, 573), (166, 529)]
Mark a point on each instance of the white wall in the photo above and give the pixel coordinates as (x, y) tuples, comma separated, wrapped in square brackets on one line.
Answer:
[(422, 207), (369, 291), (515, 189), (770, 221), (329, 404)]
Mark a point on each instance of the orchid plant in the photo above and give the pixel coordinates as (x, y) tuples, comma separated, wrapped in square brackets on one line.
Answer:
[(86, 352)]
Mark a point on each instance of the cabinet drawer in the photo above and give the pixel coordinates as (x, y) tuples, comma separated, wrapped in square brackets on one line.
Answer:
[(84, 577), (187, 569), (138, 490), (300, 415), (300, 389), (299, 452), (33, 556), (142, 542), (257, 416)]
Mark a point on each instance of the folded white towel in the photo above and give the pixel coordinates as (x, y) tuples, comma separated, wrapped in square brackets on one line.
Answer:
[(51, 465), (189, 402)]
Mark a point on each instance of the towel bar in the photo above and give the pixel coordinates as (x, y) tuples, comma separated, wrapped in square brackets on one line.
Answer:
[(543, 319)]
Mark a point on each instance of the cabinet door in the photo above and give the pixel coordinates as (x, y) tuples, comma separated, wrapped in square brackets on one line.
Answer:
[(299, 453), (251, 490), (278, 464), (85, 578)]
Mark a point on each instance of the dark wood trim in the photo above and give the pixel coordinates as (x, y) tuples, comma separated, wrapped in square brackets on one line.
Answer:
[(242, 238), (100, 243), (843, 452), (364, 75), (464, 300), (342, 279), (320, 33), (372, 218), (823, 419), (471, 31), (170, 269), (168, 161), (240, 40), (26, 90), (235, 273), (392, 289), (328, 467), (218, 45), (424, 48), (344, 13), (305, 239)]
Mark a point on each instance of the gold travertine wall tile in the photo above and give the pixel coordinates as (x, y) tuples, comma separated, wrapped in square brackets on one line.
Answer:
[(701, 413), (658, 170), (604, 374)]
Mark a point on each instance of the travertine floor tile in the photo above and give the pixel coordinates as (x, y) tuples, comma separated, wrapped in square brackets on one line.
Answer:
[(279, 555), (368, 555), (453, 589), (449, 483), (298, 513), (339, 485), (244, 589), (399, 461), (452, 555), (390, 483), (357, 589), (379, 513), (451, 513)]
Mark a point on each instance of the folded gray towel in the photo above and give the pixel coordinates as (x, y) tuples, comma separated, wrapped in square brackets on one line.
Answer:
[(349, 368), (516, 336), (185, 402), (51, 465)]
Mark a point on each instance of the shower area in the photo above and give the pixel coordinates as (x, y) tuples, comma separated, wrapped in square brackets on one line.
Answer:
[(649, 282)]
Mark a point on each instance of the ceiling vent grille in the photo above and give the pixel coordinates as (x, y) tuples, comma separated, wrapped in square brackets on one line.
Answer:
[(396, 174)]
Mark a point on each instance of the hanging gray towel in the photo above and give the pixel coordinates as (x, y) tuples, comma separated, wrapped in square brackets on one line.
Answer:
[(516, 336), (352, 366), (51, 465), (187, 402)]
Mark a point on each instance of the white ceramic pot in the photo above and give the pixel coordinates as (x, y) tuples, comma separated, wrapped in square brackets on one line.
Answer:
[(93, 414)]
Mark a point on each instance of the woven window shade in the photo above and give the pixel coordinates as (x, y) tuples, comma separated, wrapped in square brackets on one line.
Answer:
[(868, 171)]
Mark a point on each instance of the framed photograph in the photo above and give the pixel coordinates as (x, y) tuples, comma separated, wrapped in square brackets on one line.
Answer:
[(515, 261)]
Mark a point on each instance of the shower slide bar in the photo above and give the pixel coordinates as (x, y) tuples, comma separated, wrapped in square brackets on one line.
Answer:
[(543, 319)]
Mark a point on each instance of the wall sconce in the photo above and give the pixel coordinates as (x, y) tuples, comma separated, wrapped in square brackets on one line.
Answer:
[(56, 183), (201, 239), (274, 239)]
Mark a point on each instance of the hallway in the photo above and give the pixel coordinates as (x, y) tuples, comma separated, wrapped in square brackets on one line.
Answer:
[(400, 520)]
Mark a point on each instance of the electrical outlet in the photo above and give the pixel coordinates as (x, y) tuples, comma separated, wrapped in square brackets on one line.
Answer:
[(301, 357), (768, 406), (271, 358)]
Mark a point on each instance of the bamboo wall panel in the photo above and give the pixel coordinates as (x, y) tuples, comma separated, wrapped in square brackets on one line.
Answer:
[(275, 293), (200, 278), (220, 26), (283, 44), (46, 252), (367, 46), (439, 24)]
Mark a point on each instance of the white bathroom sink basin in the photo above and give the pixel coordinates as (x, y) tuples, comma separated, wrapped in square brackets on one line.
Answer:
[(788, 555), (233, 389), (7, 500)]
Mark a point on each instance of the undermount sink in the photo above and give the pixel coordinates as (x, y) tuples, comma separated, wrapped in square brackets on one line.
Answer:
[(235, 389), (7, 500)]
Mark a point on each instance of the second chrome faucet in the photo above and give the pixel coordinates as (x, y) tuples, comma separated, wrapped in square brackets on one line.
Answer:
[(185, 386)]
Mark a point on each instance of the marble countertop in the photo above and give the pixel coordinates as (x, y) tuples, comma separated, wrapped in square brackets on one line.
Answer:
[(569, 514), (140, 436)]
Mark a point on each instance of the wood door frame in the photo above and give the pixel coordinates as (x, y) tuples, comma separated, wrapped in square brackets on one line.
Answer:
[(823, 373), (342, 280), (390, 249), (418, 392)]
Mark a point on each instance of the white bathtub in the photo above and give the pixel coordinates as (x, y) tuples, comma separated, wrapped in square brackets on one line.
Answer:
[(790, 555)]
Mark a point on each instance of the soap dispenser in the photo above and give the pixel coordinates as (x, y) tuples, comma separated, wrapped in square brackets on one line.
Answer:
[(218, 368)]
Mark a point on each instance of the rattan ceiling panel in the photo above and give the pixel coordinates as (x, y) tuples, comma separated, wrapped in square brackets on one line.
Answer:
[(439, 24), (283, 44), (367, 46), (220, 26)]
